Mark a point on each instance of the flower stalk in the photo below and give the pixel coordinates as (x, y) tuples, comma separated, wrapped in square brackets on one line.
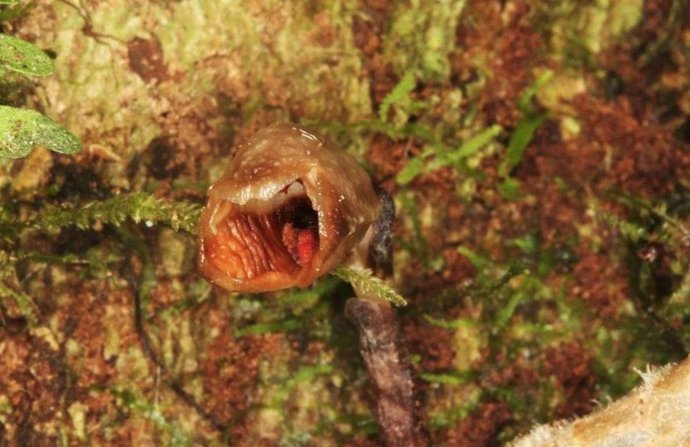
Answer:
[(290, 208)]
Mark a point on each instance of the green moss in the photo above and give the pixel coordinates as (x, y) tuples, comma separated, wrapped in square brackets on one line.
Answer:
[(447, 157), (421, 37), (579, 31), (136, 405), (400, 98), (454, 411), (138, 207)]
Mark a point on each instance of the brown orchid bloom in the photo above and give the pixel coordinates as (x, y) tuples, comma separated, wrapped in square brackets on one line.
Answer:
[(289, 208)]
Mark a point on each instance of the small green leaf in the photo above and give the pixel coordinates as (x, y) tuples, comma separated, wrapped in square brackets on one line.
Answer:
[(458, 323), (22, 130), (524, 103), (479, 262), (410, 171), (519, 140), (527, 243), (525, 128), (507, 311), (415, 167), (9, 2), (449, 378), (399, 94), (364, 282), (510, 188), (23, 301), (467, 148), (23, 57)]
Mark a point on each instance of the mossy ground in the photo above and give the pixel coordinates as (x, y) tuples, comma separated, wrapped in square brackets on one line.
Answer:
[(541, 241)]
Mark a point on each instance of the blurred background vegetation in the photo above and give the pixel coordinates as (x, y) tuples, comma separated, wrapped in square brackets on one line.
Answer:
[(537, 152)]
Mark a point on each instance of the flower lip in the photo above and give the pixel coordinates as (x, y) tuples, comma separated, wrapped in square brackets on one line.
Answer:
[(274, 237), (288, 209)]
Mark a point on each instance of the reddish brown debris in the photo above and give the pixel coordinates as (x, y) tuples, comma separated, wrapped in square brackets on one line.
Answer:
[(436, 343), (481, 428), (230, 369), (146, 59), (600, 283), (368, 30), (388, 157), (505, 59), (572, 367)]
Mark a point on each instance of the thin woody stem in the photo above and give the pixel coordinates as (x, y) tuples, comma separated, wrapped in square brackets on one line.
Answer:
[(389, 368), (382, 346)]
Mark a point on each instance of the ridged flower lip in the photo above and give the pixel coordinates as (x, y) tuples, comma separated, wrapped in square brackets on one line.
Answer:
[(289, 208)]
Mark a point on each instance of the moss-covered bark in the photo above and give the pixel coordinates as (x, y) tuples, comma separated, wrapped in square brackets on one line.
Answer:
[(540, 243)]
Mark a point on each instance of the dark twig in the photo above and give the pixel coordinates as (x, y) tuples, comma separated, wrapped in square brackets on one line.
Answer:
[(389, 367), (141, 288), (174, 385), (88, 29), (383, 349)]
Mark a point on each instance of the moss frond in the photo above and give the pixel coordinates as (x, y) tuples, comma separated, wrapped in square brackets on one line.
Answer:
[(365, 283), (24, 304), (139, 207)]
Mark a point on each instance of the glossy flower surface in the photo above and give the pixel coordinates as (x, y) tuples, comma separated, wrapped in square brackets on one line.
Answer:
[(289, 208)]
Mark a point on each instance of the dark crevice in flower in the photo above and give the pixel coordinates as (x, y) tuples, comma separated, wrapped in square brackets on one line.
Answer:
[(300, 229)]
